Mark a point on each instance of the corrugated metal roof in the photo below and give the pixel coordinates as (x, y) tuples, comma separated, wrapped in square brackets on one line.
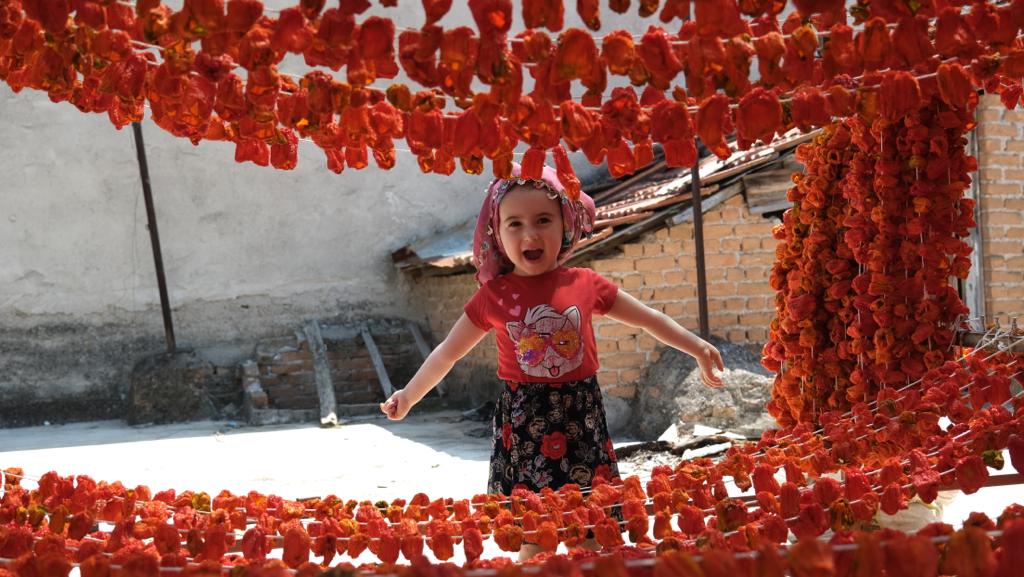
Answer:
[(652, 198)]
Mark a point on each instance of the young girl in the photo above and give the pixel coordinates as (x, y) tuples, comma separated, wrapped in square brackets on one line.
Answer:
[(549, 425)]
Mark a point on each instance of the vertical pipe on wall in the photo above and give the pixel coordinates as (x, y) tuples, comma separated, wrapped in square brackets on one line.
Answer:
[(154, 238), (698, 237)]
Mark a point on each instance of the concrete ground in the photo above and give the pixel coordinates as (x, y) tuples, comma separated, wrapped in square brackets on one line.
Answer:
[(368, 458)]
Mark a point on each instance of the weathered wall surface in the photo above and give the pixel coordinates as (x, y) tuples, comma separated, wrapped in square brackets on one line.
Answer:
[(248, 251)]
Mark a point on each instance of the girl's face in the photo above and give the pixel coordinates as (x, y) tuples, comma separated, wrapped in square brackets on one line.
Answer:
[(530, 230)]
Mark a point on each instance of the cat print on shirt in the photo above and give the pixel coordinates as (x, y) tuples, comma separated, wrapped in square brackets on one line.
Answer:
[(548, 342)]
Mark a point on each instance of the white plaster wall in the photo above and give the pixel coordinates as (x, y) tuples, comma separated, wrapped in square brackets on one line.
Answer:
[(72, 219)]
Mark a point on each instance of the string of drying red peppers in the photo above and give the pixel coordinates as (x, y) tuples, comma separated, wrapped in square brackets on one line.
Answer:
[(688, 495), (87, 52), (866, 255), (981, 547), (28, 548)]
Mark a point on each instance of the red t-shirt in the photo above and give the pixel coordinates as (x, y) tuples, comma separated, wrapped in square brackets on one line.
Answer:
[(543, 323)]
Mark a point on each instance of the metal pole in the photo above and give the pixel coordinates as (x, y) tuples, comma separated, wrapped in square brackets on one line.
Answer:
[(698, 237), (154, 238)]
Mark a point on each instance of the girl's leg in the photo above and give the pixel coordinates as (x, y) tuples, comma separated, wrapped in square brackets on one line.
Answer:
[(528, 551)]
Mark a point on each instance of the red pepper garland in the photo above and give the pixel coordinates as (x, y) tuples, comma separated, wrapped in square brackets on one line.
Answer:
[(691, 493), (867, 251), (93, 54)]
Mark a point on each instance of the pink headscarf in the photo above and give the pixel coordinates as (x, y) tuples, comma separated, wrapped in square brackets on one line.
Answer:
[(488, 254)]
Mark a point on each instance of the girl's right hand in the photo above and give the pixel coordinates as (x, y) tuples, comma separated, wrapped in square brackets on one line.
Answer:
[(396, 407), (708, 360)]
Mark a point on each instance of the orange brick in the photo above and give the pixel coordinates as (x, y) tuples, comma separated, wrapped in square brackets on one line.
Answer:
[(629, 375), (749, 245), (622, 360), (674, 310), (759, 319), (736, 336), (652, 249), (1005, 276), (717, 230), (681, 232), (673, 277), (752, 288), (612, 265), (631, 281), (760, 303), (632, 249), (765, 258), (627, 345), (605, 345), (721, 260), (731, 213), (646, 342), (675, 293), (618, 330), (1010, 145), (752, 230), (730, 244), (608, 377), (1009, 218), (735, 304), (658, 263), (992, 145), (1012, 232), (991, 192), (757, 335), (653, 279), (1013, 116), (1012, 174), (1001, 291), (991, 174), (991, 129), (734, 274), (990, 114), (1011, 160)]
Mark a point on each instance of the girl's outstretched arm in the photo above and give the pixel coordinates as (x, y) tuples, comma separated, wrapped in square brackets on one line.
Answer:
[(629, 311), (460, 340)]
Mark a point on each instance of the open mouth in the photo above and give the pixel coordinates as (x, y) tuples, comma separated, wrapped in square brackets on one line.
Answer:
[(533, 255)]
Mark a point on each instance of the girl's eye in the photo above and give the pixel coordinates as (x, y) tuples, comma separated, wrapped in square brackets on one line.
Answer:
[(544, 220)]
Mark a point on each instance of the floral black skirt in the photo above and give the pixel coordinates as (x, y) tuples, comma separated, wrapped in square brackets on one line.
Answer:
[(549, 435)]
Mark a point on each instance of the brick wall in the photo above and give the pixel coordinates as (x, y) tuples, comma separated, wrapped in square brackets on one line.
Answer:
[(658, 268), (285, 368), (1000, 137)]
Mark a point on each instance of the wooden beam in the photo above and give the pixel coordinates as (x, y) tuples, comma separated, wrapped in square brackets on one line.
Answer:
[(378, 363), (421, 344), (321, 374)]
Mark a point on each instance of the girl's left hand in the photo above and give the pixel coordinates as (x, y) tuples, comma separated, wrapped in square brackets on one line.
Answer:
[(709, 359)]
